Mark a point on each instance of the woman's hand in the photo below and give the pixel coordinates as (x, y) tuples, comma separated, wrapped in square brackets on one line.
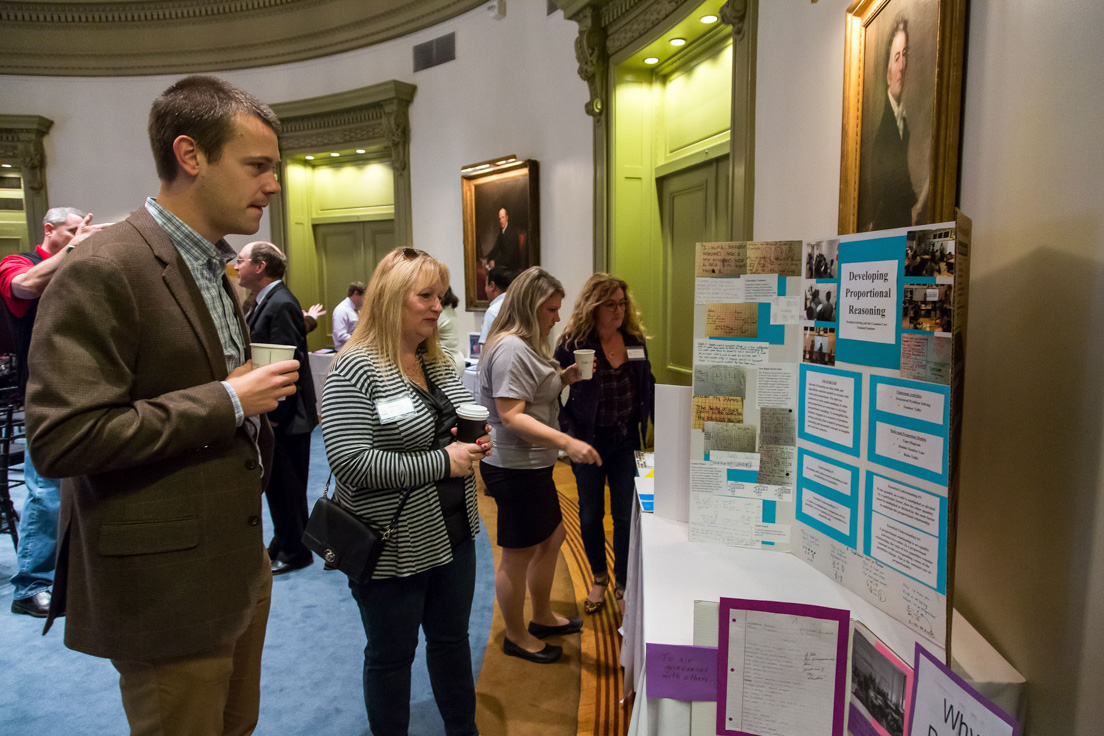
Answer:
[(581, 452), (464, 455), (570, 374)]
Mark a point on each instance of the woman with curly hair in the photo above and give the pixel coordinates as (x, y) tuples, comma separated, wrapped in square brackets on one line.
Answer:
[(610, 411)]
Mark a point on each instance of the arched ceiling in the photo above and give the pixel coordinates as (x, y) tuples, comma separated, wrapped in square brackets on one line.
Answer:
[(136, 37)]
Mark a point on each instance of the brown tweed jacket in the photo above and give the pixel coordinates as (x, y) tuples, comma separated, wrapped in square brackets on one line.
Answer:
[(160, 551)]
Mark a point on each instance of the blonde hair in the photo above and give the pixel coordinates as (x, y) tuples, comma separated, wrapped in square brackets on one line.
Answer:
[(518, 316), (397, 275), (582, 322)]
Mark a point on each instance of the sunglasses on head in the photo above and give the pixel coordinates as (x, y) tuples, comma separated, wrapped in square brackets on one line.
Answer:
[(411, 253)]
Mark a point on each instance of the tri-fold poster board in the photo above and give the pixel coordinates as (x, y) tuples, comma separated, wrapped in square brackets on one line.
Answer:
[(825, 422)]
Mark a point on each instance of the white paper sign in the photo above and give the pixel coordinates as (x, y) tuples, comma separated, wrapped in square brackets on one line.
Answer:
[(828, 475), (724, 290), (760, 287), (905, 504), (907, 401), (827, 512), (777, 385), (737, 460), (909, 446), (830, 407), (785, 310), (901, 547), (868, 301)]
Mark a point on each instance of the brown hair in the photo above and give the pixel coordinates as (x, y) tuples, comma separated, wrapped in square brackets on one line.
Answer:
[(597, 289), (204, 108)]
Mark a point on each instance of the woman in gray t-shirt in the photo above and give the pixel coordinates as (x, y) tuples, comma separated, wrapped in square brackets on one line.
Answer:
[(520, 383)]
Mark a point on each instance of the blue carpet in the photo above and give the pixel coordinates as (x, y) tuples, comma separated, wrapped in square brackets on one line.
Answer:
[(311, 670)]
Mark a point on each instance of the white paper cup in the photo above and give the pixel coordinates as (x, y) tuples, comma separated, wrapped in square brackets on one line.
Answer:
[(265, 353), (585, 360), (471, 422)]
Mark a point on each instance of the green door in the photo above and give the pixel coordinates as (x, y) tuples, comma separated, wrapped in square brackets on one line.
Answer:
[(693, 208), (347, 252)]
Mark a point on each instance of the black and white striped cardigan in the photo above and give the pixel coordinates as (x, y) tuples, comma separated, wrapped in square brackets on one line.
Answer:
[(373, 462)]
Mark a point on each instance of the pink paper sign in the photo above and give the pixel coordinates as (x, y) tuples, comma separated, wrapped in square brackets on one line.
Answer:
[(681, 672)]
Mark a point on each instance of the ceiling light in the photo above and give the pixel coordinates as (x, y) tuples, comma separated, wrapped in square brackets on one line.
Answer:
[(709, 19), (360, 150), (335, 155), (651, 60), (309, 158), (678, 41), (6, 166)]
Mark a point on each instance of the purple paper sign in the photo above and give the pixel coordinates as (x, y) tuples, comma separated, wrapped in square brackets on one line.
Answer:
[(681, 673), (788, 668), (943, 704)]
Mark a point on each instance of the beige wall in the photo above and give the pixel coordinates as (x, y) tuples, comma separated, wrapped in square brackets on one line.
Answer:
[(1031, 521)]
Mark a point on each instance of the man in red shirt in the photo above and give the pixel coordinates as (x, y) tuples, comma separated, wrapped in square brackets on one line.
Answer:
[(23, 278)]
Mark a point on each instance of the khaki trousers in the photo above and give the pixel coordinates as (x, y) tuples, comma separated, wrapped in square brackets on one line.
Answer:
[(215, 692)]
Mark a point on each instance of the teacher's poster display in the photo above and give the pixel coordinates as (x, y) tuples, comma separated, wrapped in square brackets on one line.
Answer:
[(826, 408)]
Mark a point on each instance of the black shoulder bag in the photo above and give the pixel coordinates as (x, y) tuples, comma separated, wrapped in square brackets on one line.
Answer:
[(345, 541)]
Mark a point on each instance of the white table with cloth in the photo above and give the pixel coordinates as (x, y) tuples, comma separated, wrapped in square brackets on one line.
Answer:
[(668, 573)]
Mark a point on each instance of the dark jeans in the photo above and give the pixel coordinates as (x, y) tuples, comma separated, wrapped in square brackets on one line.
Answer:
[(439, 601), (619, 468)]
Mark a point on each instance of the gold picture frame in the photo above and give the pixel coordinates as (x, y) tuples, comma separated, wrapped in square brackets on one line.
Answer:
[(873, 189), (488, 191)]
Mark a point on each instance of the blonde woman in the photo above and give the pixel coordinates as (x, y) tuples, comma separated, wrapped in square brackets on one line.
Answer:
[(611, 411), (388, 415), (520, 384)]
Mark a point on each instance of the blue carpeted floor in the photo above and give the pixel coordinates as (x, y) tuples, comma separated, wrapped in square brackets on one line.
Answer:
[(311, 682)]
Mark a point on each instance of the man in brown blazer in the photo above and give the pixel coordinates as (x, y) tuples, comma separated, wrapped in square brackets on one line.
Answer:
[(143, 398)]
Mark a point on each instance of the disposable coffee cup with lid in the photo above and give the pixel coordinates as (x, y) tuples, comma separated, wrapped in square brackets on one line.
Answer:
[(471, 422)]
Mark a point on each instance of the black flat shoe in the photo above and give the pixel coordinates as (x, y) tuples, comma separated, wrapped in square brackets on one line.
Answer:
[(279, 567), (573, 626), (549, 654), (38, 605)]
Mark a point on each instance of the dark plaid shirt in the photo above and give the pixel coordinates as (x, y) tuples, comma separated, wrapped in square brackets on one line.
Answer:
[(615, 405)]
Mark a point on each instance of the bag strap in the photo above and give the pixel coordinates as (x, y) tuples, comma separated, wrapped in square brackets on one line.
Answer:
[(394, 519)]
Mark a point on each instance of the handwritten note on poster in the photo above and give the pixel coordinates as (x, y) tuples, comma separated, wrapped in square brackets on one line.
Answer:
[(776, 465), (784, 669), (732, 320), (729, 437), (782, 257), (715, 409), (681, 672), (720, 259), (786, 310), (778, 427), (720, 380), (721, 352)]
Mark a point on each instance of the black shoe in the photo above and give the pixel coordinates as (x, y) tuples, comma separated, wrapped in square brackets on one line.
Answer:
[(279, 567), (38, 605), (549, 654), (573, 626)]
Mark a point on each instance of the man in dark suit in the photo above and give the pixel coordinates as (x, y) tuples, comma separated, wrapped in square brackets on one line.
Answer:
[(143, 398), (895, 200), (507, 248), (277, 319)]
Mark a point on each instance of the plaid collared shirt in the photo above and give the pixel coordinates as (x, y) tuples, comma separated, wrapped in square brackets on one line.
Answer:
[(207, 263)]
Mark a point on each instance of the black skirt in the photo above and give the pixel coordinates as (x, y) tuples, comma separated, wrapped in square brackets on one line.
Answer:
[(528, 504)]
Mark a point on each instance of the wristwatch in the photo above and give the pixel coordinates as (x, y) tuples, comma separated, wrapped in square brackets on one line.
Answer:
[(69, 248)]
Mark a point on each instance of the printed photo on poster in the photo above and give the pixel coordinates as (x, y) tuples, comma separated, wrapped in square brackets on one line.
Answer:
[(820, 259), (820, 302), (880, 686), (819, 345), (930, 253), (501, 224), (927, 307)]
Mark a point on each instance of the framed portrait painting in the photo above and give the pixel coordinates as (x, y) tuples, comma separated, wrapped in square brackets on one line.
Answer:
[(501, 224), (902, 107)]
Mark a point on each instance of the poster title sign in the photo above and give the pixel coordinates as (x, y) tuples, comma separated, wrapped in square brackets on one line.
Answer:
[(943, 704), (868, 301)]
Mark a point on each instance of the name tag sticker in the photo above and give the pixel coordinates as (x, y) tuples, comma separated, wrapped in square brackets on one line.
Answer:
[(391, 410), (635, 353)]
